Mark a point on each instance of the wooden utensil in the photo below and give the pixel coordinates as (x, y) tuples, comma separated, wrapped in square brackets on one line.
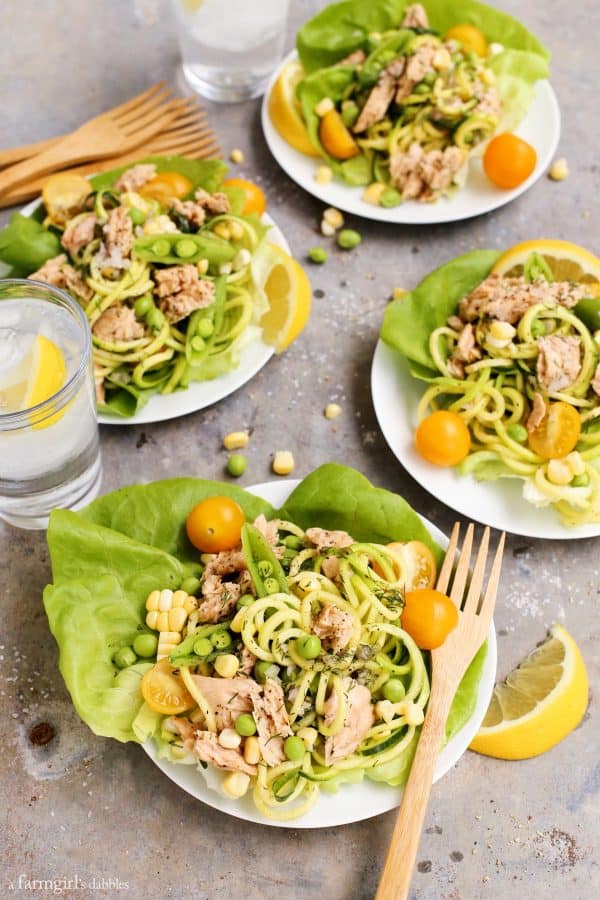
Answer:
[(448, 663), (115, 134)]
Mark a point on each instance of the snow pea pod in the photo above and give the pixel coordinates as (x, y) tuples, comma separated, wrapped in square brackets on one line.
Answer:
[(184, 655), (204, 326), (183, 248), (260, 559)]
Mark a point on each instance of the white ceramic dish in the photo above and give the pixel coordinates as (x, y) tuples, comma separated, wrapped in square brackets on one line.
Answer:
[(199, 394), (500, 504), (541, 128), (353, 802)]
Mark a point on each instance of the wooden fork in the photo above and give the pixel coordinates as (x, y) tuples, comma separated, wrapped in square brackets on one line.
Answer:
[(449, 663), (114, 134)]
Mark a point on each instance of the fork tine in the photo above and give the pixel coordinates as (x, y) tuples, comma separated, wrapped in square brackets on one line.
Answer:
[(126, 107), (167, 113), (474, 594), (151, 102), (194, 116), (446, 571), (489, 598), (182, 144), (462, 568), (140, 114)]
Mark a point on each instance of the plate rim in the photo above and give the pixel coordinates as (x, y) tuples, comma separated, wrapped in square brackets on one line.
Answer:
[(385, 356), (387, 216), (391, 797)]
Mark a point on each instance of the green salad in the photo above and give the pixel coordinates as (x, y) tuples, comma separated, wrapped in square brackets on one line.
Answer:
[(279, 665), (399, 96), (169, 270)]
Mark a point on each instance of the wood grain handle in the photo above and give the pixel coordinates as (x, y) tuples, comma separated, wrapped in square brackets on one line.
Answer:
[(18, 154), (400, 860), (59, 155)]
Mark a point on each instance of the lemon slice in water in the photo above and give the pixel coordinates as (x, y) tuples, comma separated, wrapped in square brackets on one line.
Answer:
[(40, 373)]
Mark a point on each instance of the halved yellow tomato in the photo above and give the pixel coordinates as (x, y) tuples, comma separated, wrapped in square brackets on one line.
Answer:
[(558, 432), (255, 202), (417, 562), (335, 137), (165, 692), (63, 195), (472, 39), (166, 186)]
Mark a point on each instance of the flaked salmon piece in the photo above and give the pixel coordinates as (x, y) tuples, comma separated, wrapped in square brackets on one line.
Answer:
[(415, 17), (218, 598), (405, 171), (467, 350), (186, 730), (247, 661), (455, 323), (490, 104), (537, 413), (226, 563), (559, 361), (508, 299), (208, 749), (330, 567), (228, 698), (439, 168), (79, 233), (418, 65), (181, 291), (136, 177), (322, 539), (118, 323), (456, 368), (359, 720), (272, 722), (191, 211), (215, 204), (334, 626), (61, 274), (377, 103), (118, 235)]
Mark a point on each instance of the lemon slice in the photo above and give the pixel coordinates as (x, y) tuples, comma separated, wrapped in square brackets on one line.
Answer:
[(63, 194), (567, 262), (284, 110), (34, 379), (288, 291), (539, 704)]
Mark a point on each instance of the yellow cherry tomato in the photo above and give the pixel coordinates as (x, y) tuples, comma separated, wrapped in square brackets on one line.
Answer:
[(470, 37), (443, 438), (166, 186), (428, 617), (417, 564), (508, 160), (558, 432), (165, 692), (335, 137), (255, 202), (215, 524), (64, 195)]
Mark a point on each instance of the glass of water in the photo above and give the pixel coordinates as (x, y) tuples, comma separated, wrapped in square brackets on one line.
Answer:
[(229, 50), (49, 452)]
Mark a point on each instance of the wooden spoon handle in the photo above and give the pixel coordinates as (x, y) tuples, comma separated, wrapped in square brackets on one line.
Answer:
[(397, 871)]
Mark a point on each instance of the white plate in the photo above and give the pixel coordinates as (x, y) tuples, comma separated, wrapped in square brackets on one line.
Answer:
[(353, 802), (199, 394), (541, 128), (500, 504)]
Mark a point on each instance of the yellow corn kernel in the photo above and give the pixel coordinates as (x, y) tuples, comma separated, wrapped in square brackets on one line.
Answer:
[(502, 331), (252, 751), (236, 784), (488, 77), (559, 472), (181, 600), (323, 175), (575, 463), (177, 619), (152, 619), (327, 230), (226, 665), (238, 620), (309, 736), (442, 60), (152, 601), (222, 230), (236, 440), (372, 193), (165, 601), (241, 259), (167, 641), (283, 463), (333, 410), (384, 709), (230, 739), (324, 106), (398, 293), (202, 266), (559, 170), (412, 713), (236, 156), (236, 230), (333, 217), (225, 268)]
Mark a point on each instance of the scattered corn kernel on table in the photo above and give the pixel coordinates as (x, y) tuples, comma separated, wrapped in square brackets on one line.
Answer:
[(80, 807)]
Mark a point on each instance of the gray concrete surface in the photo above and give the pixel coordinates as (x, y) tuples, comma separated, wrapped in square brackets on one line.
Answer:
[(91, 808)]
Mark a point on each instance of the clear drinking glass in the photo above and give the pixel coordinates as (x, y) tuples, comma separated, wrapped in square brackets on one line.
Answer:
[(49, 453), (229, 49)]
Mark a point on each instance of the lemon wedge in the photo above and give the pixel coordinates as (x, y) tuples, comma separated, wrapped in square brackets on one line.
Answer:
[(34, 379), (288, 292), (538, 704), (284, 110), (63, 194), (567, 262)]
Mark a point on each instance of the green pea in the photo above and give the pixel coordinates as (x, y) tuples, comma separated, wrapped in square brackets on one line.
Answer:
[(393, 690), (294, 748), (124, 657), (204, 327), (289, 554), (318, 255), (161, 247), (389, 198), (237, 464), (190, 585), (155, 319), (581, 480), (421, 88), (348, 239), (349, 113), (143, 305), (245, 600), (221, 640), (185, 248), (145, 645), (260, 670), (537, 328), (198, 344), (265, 568), (202, 647), (271, 585), (137, 216), (295, 543), (245, 725), (517, 433), (308, 646)]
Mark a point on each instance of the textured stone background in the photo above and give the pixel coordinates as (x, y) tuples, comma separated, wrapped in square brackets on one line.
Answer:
[(91, 807)]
